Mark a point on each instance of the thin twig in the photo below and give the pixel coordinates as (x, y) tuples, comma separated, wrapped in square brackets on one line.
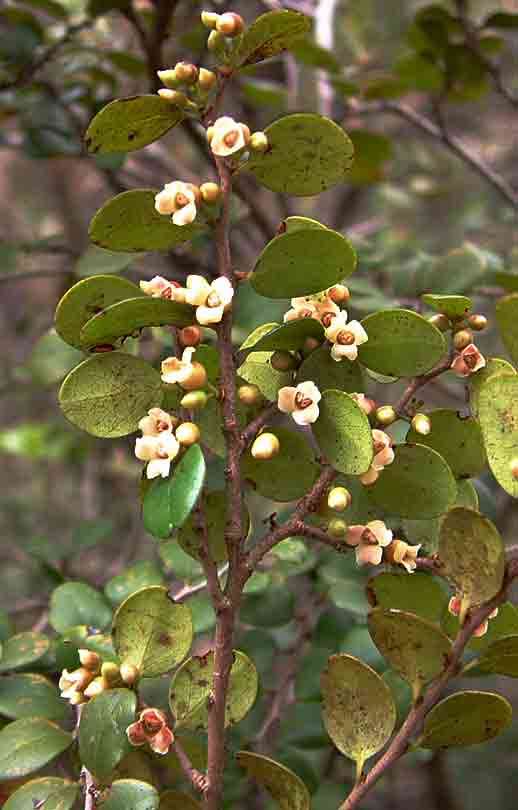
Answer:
[(414, 385)]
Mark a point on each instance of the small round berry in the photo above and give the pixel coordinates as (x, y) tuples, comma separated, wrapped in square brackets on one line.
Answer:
[(337, 528), (266, 446), (230, 24), (196, 379), (477, 322), (249, 394), (209, 19), (386, 415), (462, 339), (187, 433), (190, 336), (210, 192), (283, 361), (440, 321), (194, 400), (129, 673), (186, 72), (206, 79), (259, 142), (339, 499), (421, 424)]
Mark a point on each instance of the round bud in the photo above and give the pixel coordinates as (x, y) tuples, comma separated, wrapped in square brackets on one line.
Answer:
[(462, 339), (110, 672), (310, 344), (210, 192), (190, 336), (440, 321), (249, 394), (514, 468), (97, 686), (175, 97), (421, 424), (283, 361), (339, 499), (129, 674), (206, 79), (339, 294), (337, 528), (265, 446), (186, 72), (90, 660), (215, 41), (477, 322), (194, 400), (168, 78), (209, 19), (259, 142), (230, 24), (187, 433), (196, 379), (386, 415)]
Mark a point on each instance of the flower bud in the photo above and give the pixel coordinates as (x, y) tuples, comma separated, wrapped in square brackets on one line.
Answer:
[(194, 400), (97, 686), (110, 672), (249, 394), (174, 97), (210, 193), (190, 336), (197, 378), (477, 322), (129, 673), (310, 344), (440, 321), (206, 79), (339, 294), (386, 415), (187, 433), (421, 424), (462, 339), (186, 72), (283, 361), (339, 499), (168, 78), (90, 660), (215, 41), (265, 446), (259, 142), (337, 528), (77, 698), (514, 468), (209, 19), (230, 24)]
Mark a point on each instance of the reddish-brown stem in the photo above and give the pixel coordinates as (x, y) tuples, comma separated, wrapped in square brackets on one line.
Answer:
[(418, 382)]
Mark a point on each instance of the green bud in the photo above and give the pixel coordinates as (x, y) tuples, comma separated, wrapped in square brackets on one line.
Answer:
[(337, 528), (209, 19), (259, 142), (194, 400), (168, 78)]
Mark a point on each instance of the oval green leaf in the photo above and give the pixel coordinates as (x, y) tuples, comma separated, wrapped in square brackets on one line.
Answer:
[(258, 370), (401, 343), (129, 316), (127, 124), (192, 685), (343, 433), (141, 575), (466, 718), (307, 154), (270, 34), (420, 594), (169, 501), (214, 517), (288, 475), (28, 744), (131, 793), (457, 438), (495, 365), (285, 787), (23, 650), (49, 793), (358, 708), (108, 394), (507, 319), (103, 742), (326, 373), (501, 657), (75, 603), (31, 695), (498, 414), (303, 262), (152, 632), (453, 306), (289, 336)]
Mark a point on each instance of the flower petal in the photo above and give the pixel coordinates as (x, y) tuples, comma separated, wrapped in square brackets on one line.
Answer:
[(286, 399)]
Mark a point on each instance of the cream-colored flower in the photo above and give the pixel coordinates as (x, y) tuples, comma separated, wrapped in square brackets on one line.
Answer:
[(179, 199), (159, 451), (320, 307), (156, 422), (345, 337), (468, 361), (178, 371), (369, 541), (405, 555), (227, 136), (383, 456), (211, 299), (300, 401), (158, 287)]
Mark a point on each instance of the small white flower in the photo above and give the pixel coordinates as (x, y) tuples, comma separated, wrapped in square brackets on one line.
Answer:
[(158, 287), (210, 300), (227, 136), (320, 307), (179, 199), (383, 456), (178, 371), (405, 555), (345, 337), (300, 401), (156, 422), (369, 541), (159, 452)]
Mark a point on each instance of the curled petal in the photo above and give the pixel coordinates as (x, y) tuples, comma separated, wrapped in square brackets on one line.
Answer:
[(360, 335), (306, 416), (155, 287), (224, 289), (153, 720), (286, 399), (146, 448), (185, 215), (158, 467), (339, 352), (136, 734), (198, 290), (354, 535), (380, 532), (309, 389), (206, 315), (165, 202), (336, 326), (481, 630), (161, 743), (383, 458), (369, 477), (454, 605), (155, 422), (369, 555)]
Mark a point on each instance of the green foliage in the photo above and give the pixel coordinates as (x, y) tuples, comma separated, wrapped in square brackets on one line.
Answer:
[(211, 521), (289, 336), (500, 657), (141, 575), (127, 317), (124, 793), (56, 793), (77, 603), (453, 306), (457, 438), (289, 474), (31, 695), (498, 414), (285, 787), (174, 800), (169, 501), (22, 650), (420, 594), (271, 34), (466, 718), (401, 343), (28, 744), (326, 373), (343, 433), (131, 123), (102, 733)]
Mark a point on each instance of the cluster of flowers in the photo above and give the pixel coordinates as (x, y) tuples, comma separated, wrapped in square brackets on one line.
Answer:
[(94, 677), (151, 729), (162, 438), (455, 606), (210, 299), (370, 540)]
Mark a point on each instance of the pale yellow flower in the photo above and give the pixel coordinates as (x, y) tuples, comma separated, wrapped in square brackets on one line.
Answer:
[(179, 199), (300, 401), (319, 307), (345, 337), (157, 421), (159, 451), (383, 456), (210, 300), (369, 541), (178, 371), (227, 136)]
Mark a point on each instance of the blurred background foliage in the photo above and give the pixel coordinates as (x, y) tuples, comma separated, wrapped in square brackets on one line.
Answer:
[(432, 112)]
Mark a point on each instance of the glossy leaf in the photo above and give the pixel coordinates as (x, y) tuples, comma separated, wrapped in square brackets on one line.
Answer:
[(453, 306), (501, 657), (192, 685), (23, 650), (130, 223), (131, 793), (420, 594), (152, 632), (466, 718), (285, 787), (129, 316), (271, 34), (109, 393), (289, 336), (169, 501), (31, 695), (103, 742), (49, 792), (343, 433), (358, 708), (214, 518), (457, 438), (258, 370), (142, 574), (302, 262), (401, 343), (498, 414), (288, 475), (75, 603), (494, 366), (307, 154), (127, 124), (326, 373), (28, 744)]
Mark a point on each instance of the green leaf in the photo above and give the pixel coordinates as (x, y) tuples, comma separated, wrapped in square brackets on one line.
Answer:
[(28, 744), (289, 336), (284, 786), (127, 124), (420, 594), (270, 34), (415, 647), (152, 632), (80, 637), (303, 262), (457, 438), (142, 574), (257, 370), (358, 708), (453, 306), (401, 343), (210, 423), (501, 19), (174, 800), (495, 365), (507, 319), (78, 603), (298, 223), (307, 154), (31, 695), (288, 475), (87, 298), (49, 7), (129, 222), (343, 433), (169, 501), (418, 484), (192, 685), (501, 657), (23, 649), (326, 373), (49, 793), (108, 394), (5, 626), (214, 516), (371, 153), (466, 718), (472, 555), (498, 414), (131, 793), (126, 317), (103, 742), (96, 260)]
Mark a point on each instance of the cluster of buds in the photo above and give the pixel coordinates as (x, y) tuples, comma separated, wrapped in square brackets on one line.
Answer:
[(186, 85), (94, 677), (322, 306), (300, 401), (210, 299), (227, 137), (455, 607), (383, 456), (162, 439), (468, 359), (369, 541), (228, 24), (151, 729), (181, 201)]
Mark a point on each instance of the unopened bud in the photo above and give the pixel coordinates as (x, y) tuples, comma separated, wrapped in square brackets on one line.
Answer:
[(337, 528), (310, 344), (90, 660), (339, 499), (514, 468), (230, 24), (386, 415), (209, 19), (129, 673), (187, 433), (259, 142), (421, 424), (173, 97), (186, 72), (210, 192), (77, 698), (477, 322), (462, 339), (197, 378), (265, 446), (206, 79), (440, 321), (97, 686), (194, 400), (339, 294), (249, 394), (283, 361), (168, 78), (110, 672), (190, 335), (215, 41)]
